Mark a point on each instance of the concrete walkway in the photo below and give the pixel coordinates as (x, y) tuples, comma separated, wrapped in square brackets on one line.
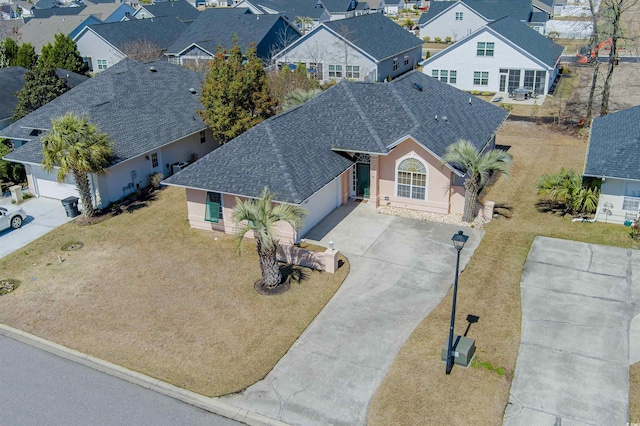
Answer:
[(578, 301), (400, 270), (43, 216)]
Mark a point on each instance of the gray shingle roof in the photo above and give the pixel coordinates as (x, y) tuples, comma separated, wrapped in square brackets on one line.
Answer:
[(216, 27), (140, 109), (539, 17), (528, 39), (57, 11), (291, 8), (176, 8), (162, 32), (614, 145), (12, 79), (435, 8), (490, 9), (296, 153), (375, 34)]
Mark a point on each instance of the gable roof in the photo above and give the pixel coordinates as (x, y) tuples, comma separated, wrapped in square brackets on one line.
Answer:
[(162, 32), (140, 109), (375, 34), (488, 9), (178, 8), (57, 11), (12, 80), (614, 145), (298, 152), (528, 39), (217, 27), (294, 8), (39, 32)]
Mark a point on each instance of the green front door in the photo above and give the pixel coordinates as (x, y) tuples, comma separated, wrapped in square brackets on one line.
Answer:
[(362, 175)]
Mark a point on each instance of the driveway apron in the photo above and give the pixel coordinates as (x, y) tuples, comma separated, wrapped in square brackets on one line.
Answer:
[(400, 270), (578, 301)]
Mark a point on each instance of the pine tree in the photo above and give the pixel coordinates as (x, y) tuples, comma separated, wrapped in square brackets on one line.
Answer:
[(26, 56), (235, 95), (10, 51), (63, 54), (41, 86)]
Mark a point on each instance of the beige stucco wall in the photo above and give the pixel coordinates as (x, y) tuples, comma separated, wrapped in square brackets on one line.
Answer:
[(438, 180)]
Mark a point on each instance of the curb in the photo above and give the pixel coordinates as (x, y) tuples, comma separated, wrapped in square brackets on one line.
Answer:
[(212, 405)]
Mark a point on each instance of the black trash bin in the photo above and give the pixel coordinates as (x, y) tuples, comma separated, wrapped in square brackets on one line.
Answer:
[(71, 206)]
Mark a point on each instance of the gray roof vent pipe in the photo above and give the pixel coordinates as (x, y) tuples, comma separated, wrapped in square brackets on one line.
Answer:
[(192, 90)]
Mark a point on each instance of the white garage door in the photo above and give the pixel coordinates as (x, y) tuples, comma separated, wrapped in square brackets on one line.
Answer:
[(53, 189)]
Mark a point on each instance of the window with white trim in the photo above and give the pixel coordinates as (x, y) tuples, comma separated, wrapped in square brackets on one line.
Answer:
[(406, 60), (448, 76), (395, 64), (481, 78), (203, 136), (412, 179), (102, 64), (353, 71), (335, 71), (631, 200), (459, 16), (485, 48), (154, 160)]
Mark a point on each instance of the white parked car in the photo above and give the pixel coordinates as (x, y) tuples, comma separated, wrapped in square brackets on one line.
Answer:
[(11, 217)]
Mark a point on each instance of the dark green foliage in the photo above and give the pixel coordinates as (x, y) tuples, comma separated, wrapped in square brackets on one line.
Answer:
[(41, 86), (566, 189), (9, 172), (62, 54), (235, 95), (284, 82), (26, 56), (10, 51)]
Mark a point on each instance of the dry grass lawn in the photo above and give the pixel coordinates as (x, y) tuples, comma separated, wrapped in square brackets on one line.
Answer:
[(416, 389), (151, 294)]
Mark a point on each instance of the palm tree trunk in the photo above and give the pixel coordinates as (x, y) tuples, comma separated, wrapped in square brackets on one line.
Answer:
[(470, 199), (84, 190), (271, 275)]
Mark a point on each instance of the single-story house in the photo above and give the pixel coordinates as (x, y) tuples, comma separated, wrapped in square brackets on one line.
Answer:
[(382, 142), (501, 56), (149, 112), (613, 155), (215, 27), (364, 48), (104, 45), (12, 79), (458, 19)]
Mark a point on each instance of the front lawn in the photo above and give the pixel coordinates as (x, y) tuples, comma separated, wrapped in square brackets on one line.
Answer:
[(416, 389), (147, 292)]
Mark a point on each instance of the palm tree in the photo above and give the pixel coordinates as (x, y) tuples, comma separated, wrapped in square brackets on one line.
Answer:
[(477, 167), (261, 216), (565, 188), (298, 96), (303, 22), (75, 146)]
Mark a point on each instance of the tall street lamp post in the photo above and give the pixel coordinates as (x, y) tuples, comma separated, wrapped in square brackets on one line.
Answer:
[(458, 241)]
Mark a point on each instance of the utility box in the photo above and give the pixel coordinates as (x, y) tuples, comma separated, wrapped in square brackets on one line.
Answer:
[(16, 193), (463, 348), (71, 206)]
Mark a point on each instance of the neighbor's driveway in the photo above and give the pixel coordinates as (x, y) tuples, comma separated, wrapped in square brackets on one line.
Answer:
[(43, 216), (400, 270), (578, 301)]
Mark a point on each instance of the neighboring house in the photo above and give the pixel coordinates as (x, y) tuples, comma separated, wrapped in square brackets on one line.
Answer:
[(180, 9), (366, 48), (376, 6), (458, 19), (393, 7), (9, 11), (218, 27), (318, 10), (104, 45), (378, 141), (613, 155), (499, 57), (12, 79), (58, 11), (25, 8), (149, 112), (46, 4)]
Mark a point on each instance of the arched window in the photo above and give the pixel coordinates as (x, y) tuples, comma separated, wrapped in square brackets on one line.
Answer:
[(412, 179)]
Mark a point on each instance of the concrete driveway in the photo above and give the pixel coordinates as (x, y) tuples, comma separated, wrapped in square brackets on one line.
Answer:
[(578, 301), (43, 216), (400, 270)]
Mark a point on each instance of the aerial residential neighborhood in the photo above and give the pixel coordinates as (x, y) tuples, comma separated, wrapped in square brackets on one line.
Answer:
[(313, 212)]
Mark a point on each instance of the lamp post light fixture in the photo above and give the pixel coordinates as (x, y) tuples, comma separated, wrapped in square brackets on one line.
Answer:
[(458, 241)]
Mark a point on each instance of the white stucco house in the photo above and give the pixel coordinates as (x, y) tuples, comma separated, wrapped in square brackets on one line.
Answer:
[(501, 56), (149, 112), (613, 156), (363, 48)]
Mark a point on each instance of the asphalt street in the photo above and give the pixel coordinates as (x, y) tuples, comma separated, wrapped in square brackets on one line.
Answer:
[(39, 388)]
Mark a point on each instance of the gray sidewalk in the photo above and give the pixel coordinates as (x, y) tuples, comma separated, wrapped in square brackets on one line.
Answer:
[(578, 301), (400, 270)]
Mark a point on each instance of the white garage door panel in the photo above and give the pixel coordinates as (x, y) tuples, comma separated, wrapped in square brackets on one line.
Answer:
[(52, 189)]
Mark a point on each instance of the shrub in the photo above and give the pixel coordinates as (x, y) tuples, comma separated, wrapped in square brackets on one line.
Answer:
[(426, 39), (506, 107), (566, 190), (437, 40), (447, 39), (154, 179), (486, 93), (428, 55)]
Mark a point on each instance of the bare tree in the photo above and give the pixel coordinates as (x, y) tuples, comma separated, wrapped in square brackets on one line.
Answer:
[(594, 41), (142, 50)]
